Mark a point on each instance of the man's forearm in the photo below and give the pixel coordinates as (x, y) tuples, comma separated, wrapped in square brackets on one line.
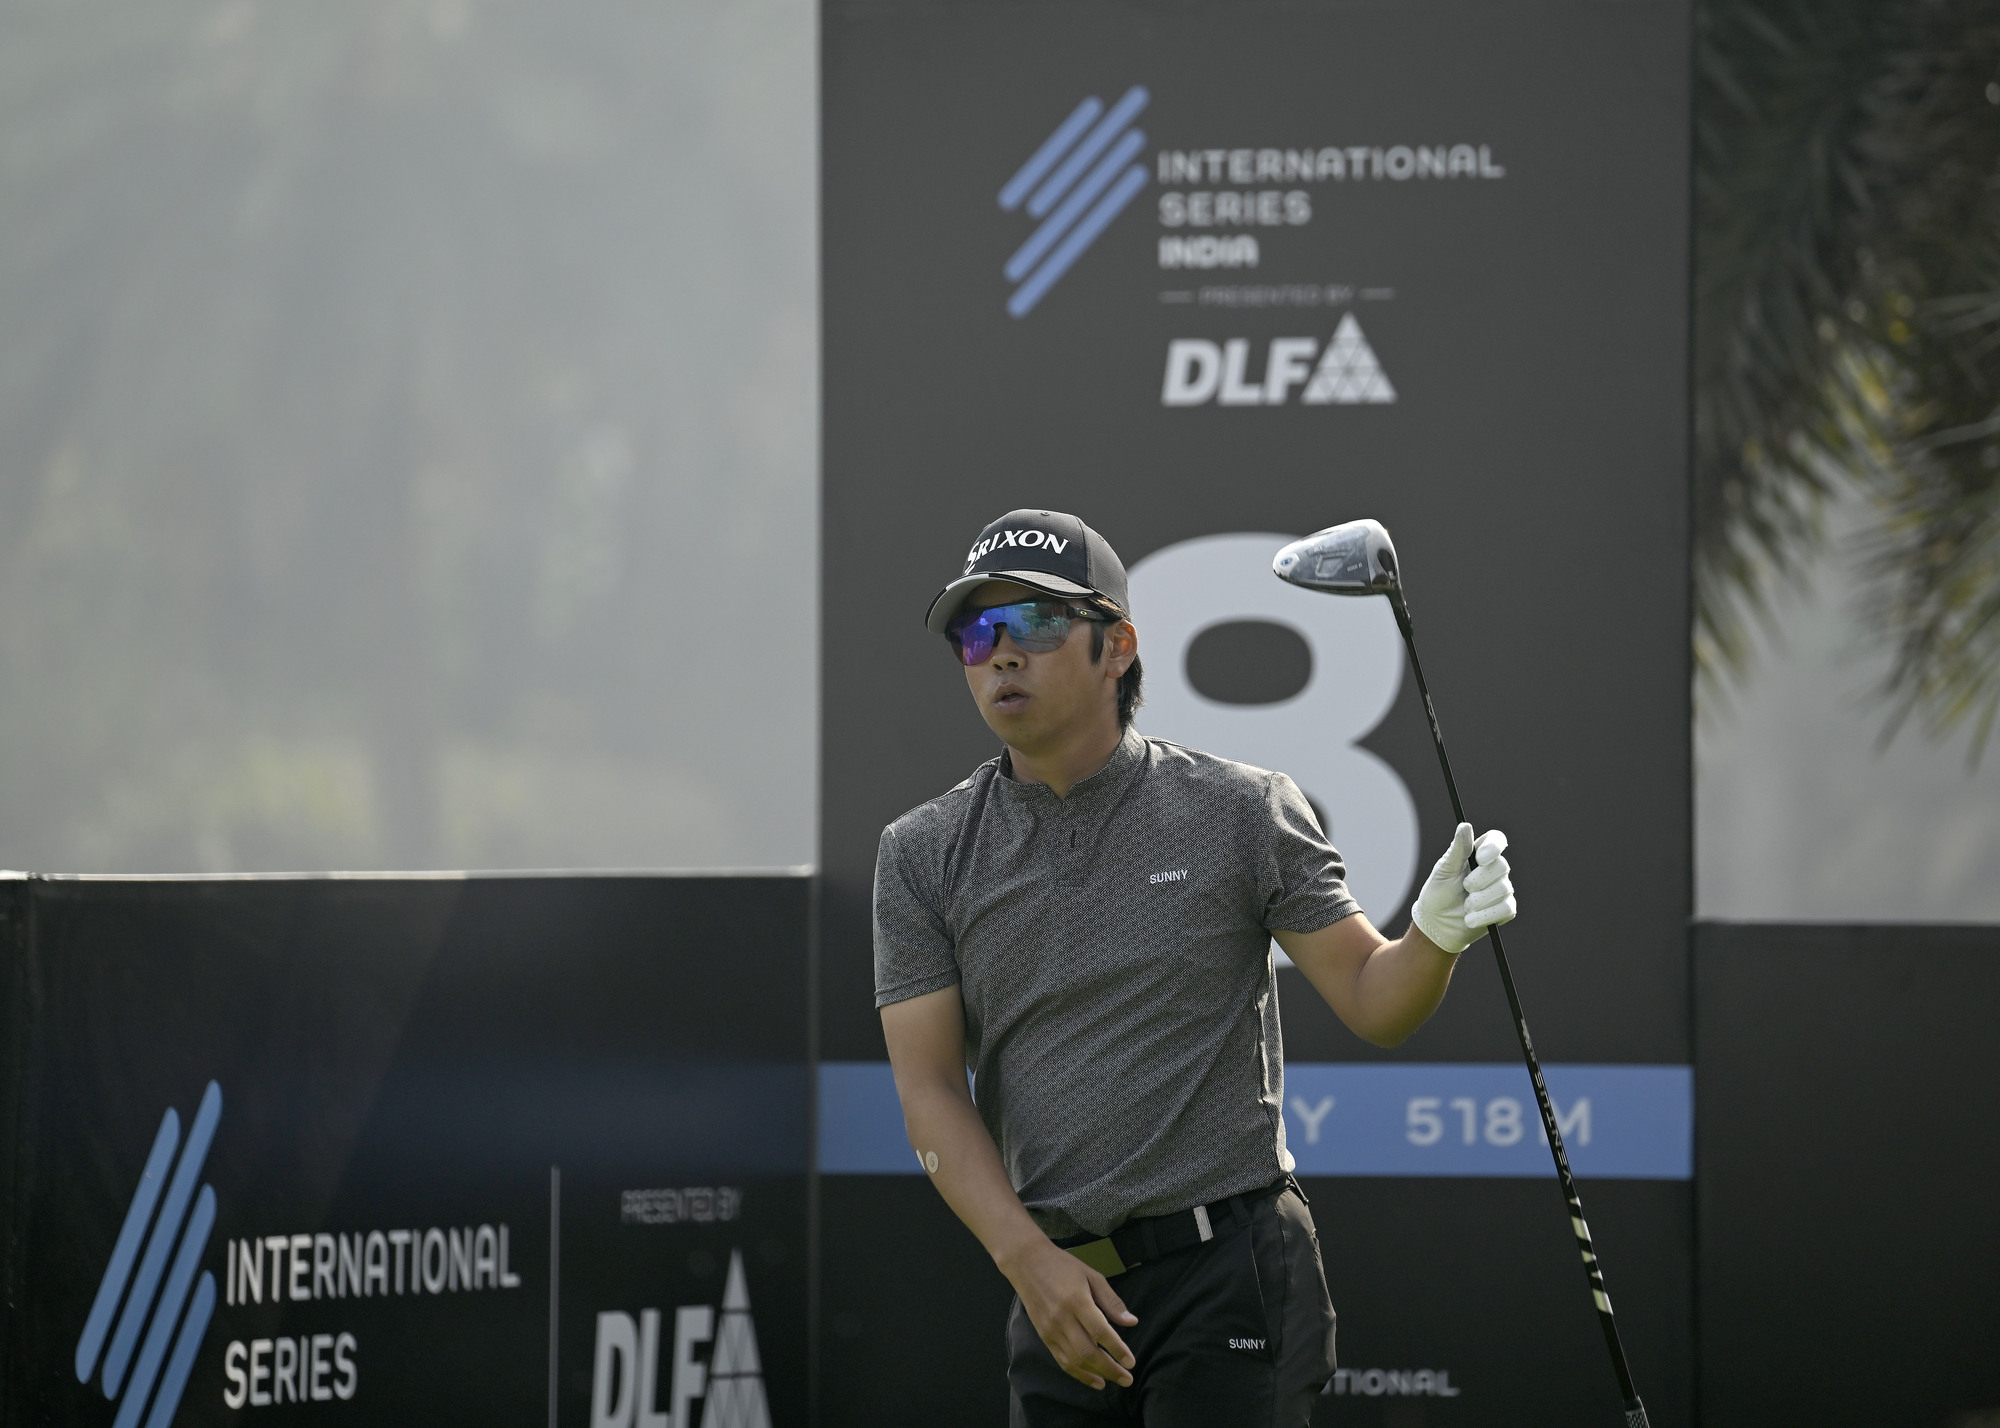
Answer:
[(1401, 984), (955, 1148), (1382, 989)]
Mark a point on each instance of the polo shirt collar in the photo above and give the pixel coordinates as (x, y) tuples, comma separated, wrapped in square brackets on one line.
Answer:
[(1116, 773)]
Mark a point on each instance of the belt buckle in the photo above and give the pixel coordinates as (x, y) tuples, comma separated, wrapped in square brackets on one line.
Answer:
[(1102, 1256)]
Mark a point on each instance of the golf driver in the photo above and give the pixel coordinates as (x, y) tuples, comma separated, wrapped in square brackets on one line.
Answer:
[(1358, 558)]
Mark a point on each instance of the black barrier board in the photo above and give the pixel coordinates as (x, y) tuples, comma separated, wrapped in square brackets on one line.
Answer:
[(1213, 276), (1850, 1084), (511, 1150)]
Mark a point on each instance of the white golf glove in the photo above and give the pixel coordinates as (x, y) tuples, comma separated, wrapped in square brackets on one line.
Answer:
[(1455, 907)]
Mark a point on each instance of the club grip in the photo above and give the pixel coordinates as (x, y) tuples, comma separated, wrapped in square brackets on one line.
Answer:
[(1635, 1414)]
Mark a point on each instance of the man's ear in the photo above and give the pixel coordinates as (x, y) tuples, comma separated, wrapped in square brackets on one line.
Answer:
[(1121, 647)]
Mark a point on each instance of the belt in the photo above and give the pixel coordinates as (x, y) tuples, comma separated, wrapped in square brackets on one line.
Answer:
[(1150, 1237)]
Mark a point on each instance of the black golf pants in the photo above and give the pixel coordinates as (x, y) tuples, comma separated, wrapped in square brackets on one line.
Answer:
[(1233, 1333)]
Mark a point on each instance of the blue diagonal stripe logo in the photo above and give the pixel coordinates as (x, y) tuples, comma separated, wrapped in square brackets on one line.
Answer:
[(1080, 179), (149, 1287)]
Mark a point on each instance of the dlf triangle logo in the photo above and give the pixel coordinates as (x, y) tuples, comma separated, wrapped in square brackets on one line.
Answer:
[(158, 1291), (1346, 373), (735, 1377), (625, 1381)]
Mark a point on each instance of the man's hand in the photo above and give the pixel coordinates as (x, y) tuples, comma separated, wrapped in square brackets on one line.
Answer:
[(1072, 1307), (1454, 905)]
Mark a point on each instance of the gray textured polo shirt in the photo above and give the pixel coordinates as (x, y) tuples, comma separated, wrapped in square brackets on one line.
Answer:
[(1113, 952)]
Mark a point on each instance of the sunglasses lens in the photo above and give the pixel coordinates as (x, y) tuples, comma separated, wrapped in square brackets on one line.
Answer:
[(973, 642), (1037, 626)]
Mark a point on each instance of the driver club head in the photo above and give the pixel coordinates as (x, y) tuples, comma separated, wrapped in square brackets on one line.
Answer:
[(1356, 558)]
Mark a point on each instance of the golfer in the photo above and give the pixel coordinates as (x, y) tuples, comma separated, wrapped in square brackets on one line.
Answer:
[(1084, 925)]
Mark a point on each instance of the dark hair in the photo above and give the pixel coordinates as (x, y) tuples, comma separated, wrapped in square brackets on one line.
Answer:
[(1130, 696)]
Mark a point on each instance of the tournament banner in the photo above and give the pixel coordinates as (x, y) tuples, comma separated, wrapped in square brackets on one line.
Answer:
[(408, 1151), (1212, 277)]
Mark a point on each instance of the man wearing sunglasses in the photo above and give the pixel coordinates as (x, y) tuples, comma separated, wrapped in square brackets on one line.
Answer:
[(1084, 925)]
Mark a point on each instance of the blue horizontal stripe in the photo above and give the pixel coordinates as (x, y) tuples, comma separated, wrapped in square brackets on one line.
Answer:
[(1341, 1118), (1053, 148), (1617, 1122), (696, 1119), (861, 1121)]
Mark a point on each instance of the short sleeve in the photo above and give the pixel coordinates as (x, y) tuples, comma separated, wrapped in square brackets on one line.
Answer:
[(1305, 881), (913, 949)]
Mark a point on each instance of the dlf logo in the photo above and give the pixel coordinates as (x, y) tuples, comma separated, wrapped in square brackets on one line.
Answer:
[(157, 1291), (1346, 373), (624, 1386), (1080, 179)]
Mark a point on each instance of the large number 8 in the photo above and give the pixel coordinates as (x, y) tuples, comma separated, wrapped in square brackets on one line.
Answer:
[(1357, 669)]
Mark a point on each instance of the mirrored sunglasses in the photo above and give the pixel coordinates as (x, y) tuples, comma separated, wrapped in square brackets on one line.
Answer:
[(1037, 626)]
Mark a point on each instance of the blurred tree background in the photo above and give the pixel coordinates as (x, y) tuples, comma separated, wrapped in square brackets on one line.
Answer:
[(1847, 333), (378, 381)]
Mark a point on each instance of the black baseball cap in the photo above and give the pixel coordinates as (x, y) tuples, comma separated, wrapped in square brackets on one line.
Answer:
[(1043, 550)]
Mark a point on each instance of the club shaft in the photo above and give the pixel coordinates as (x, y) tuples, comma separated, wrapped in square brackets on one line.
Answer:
[(1635, 1412)]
